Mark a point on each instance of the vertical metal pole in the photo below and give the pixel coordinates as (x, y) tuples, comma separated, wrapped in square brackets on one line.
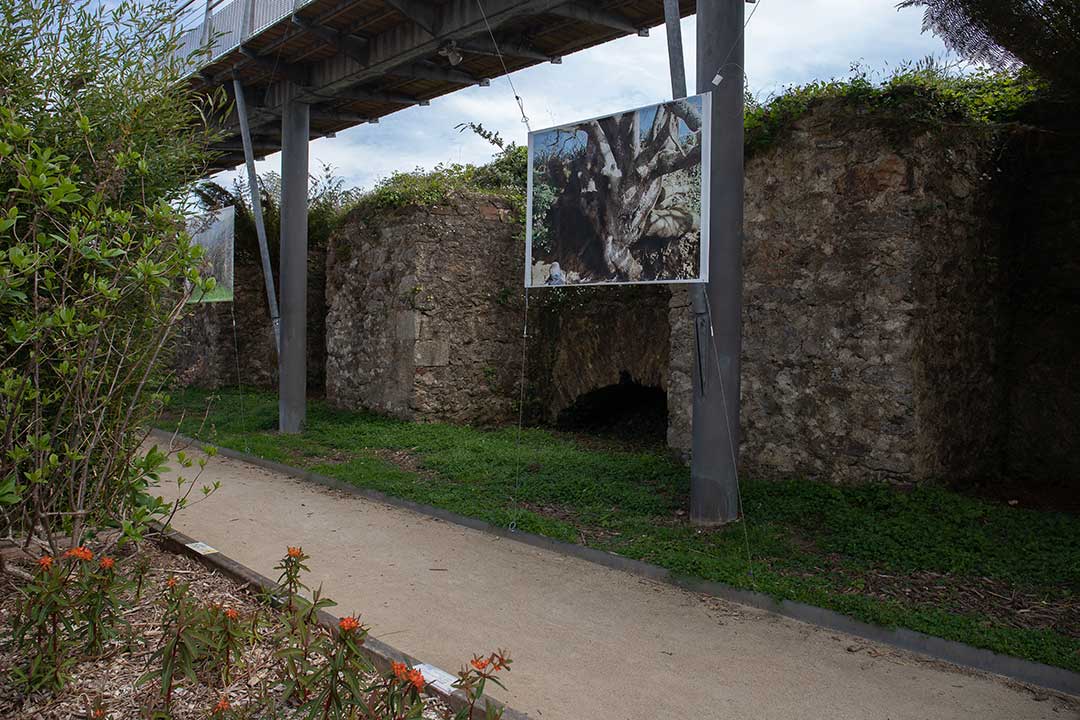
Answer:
[(714, 495), (292, 360), (256, 211)]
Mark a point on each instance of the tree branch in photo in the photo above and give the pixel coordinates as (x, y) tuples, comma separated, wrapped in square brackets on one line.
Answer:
[(610, 192)]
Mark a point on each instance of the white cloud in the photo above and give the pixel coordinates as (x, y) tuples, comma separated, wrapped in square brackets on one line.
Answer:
[(787, 42)]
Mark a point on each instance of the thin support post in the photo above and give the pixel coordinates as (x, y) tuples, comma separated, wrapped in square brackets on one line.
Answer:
[(256, 211), (292, 360), (714, 490)]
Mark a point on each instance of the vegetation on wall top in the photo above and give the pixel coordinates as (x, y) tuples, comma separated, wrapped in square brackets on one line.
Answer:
[(328, 202), (503, 176), (921, 94)]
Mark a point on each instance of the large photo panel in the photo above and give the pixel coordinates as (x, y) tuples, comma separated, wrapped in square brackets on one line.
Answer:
[(622, 198)]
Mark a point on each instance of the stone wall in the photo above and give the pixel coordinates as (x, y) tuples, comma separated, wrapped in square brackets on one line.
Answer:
[(911, 310), (585, 339), (206, 350), (868, 271), (424, 314), (425, 319)]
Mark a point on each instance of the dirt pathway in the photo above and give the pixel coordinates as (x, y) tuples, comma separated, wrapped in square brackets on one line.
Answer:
[(588, 642)]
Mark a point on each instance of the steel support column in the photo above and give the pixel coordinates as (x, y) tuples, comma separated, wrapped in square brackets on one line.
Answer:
[(292, 360), (714, 495)]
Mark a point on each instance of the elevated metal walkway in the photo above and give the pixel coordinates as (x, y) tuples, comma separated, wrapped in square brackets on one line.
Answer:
[(355, 61)]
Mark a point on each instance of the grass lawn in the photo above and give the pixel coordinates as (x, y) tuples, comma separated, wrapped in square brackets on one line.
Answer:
[(928, 559)]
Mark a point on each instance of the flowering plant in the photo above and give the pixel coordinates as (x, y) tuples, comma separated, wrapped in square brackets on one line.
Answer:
[(99, 599), (472, 679), (44, 626), (291, 565)]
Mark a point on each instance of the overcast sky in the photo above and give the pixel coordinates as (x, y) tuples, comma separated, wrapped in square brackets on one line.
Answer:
[(787, 42)]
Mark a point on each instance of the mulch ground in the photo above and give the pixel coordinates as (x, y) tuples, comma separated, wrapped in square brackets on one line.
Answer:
[(999, 601), (111, 678)]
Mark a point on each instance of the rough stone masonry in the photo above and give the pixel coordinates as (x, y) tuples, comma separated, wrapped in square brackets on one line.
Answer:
[(421, 312), (889, 308), (868, 347), (869, 288)]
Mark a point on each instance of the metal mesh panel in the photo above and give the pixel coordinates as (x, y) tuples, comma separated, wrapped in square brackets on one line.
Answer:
[(268, 12), (228, 24)]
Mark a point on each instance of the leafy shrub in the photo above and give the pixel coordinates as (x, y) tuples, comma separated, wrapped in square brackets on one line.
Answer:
[(505, 175), (99, 140)]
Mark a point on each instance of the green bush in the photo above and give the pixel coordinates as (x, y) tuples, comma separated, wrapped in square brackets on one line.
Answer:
[(99, 141)]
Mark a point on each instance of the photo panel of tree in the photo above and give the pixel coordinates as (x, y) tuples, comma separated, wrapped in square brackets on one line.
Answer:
[(619, 199), (214, 233)]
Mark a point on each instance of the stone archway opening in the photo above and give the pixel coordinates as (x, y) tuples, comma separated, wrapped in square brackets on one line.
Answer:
[(626, 411)]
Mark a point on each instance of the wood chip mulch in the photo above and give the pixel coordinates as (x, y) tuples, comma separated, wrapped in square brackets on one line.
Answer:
[(998, 601)]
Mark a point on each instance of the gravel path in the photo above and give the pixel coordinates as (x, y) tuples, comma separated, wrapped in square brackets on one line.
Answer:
[(587, 642)]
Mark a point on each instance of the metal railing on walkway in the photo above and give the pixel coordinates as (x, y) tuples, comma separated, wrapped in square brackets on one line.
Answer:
[(223, 25)]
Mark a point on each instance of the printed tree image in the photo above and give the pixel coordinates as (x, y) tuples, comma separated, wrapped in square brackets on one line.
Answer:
[(618, 199)]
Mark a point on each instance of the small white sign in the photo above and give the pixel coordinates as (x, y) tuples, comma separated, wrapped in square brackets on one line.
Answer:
[(201, 548), (442, 680)]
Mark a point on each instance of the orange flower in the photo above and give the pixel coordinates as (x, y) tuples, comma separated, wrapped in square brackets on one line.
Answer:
[(98, 714), (401, 672), (417, 679), (348, 623), (222, 706), (231, 614), (171, 582), (45, 562), (480, 663), (295, 552), (107, 563), (80, 553)]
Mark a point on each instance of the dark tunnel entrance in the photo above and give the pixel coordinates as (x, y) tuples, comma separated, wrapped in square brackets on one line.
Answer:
[(627, 411)]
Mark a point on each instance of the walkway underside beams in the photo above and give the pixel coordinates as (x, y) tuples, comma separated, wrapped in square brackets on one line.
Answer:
[(353, 61)]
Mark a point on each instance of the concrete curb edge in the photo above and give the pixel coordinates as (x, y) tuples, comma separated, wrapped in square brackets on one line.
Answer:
[(379, 653), (951, 651)]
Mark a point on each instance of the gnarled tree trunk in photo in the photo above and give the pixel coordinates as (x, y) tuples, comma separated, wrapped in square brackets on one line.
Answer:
[(614, 188)]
